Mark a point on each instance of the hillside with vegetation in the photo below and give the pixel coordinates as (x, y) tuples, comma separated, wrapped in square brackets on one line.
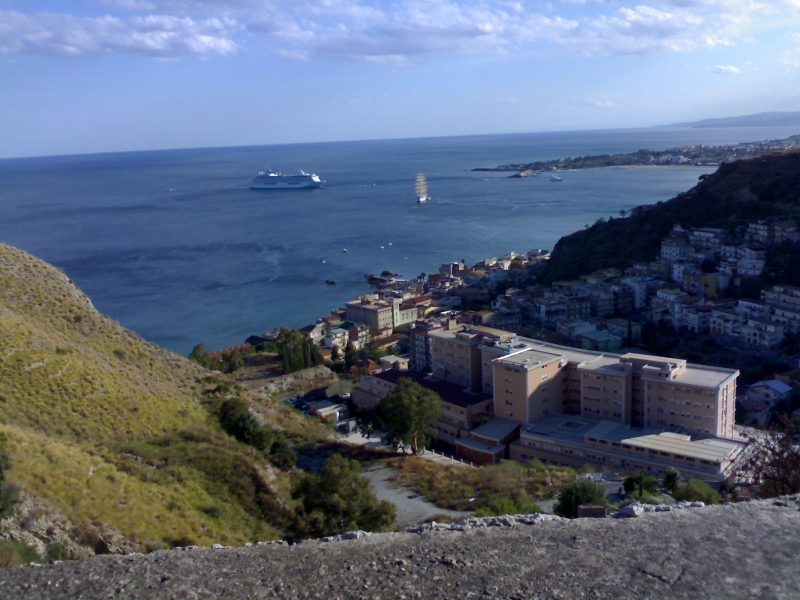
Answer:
[(756, 188), (118, 445)]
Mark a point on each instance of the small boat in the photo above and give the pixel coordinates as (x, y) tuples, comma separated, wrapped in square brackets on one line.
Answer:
[(555, 178), (421, 188), (330, 281), (390, 243), (381, 247), (344, 249), (324, 261)]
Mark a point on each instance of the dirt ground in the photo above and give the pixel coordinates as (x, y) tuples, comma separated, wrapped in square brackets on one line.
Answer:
[(411, 507)]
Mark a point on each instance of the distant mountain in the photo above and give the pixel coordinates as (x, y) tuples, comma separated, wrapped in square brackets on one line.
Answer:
[(764, 119), (756, 188)]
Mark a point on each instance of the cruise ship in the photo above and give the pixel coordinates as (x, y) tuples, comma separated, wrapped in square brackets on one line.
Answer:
[(267, 180)]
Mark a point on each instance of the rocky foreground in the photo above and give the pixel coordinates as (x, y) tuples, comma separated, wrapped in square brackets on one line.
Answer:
[(747, 550)]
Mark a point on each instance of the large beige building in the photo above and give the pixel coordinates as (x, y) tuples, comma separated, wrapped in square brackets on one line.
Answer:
[(637, 389), (542, 386), (375, 313), (382, 313)]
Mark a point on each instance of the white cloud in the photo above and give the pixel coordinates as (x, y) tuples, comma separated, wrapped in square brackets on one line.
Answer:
[(791, 58), (598, 102), (160, 36), (725, 70), (139, 5), (394, 32)]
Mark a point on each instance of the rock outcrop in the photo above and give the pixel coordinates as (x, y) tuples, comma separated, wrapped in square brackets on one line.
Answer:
[(319, 376), (746, 550)]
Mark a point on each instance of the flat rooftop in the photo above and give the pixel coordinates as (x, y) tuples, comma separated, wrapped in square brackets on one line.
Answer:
[(448, 392), (496, 429), (573, 430), (473, 444), (529, 358), (718, 451), (701, 375)]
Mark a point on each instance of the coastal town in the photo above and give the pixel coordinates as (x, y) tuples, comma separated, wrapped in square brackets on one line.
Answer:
[(697, 155), (566, 373)]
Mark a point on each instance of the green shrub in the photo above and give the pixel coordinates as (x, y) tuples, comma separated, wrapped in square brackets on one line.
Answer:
[(281, 454), (340, 499), (15, 553), (236, 420), (696, 489), (505, 505), (56, 551), (572, 495)]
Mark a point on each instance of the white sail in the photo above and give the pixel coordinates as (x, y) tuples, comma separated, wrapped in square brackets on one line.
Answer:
[(421, 188)]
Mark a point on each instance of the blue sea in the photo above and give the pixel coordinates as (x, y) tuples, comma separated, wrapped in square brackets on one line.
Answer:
[(174, 245)]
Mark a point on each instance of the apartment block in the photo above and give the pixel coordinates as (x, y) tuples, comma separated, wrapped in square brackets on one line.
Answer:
[(456, 354), (420, 356), (369, 309), (532, 381)]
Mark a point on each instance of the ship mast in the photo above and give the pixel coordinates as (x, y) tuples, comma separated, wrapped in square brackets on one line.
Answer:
[(421, 187)]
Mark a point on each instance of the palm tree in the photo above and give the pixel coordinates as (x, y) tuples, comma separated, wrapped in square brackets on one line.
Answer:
[(641, 480)]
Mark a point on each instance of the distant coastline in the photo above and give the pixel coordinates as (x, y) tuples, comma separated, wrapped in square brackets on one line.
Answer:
[(764, 119), (696, 155)]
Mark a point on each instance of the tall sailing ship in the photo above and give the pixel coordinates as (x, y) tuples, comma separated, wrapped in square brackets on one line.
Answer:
[(422, 188)]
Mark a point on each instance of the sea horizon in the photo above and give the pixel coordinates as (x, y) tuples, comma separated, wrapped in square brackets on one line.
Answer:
[(175, 246), (645, 128)]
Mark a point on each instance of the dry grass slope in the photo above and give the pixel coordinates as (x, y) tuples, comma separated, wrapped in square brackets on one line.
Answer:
[(106, 428)]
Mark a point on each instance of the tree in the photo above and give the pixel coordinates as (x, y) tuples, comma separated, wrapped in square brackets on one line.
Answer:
[(233, 361), (708, 266), (340, 499), (296, 351), (281, 453), (373, 349), (199, 354), (236, 420), (572, 495), (672, 479), (407, 412), (642, 481), (773, 459), (350, 356), (9, 493), (336, 354), (696, 489)]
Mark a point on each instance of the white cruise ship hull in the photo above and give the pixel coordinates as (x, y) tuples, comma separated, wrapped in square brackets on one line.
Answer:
[(276, 181)]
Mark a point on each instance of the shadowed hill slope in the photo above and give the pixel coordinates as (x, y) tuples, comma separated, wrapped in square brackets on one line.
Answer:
[(766, 186), (116, 437)]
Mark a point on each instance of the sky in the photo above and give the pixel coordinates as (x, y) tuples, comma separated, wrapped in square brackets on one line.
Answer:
[(80, 76)]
